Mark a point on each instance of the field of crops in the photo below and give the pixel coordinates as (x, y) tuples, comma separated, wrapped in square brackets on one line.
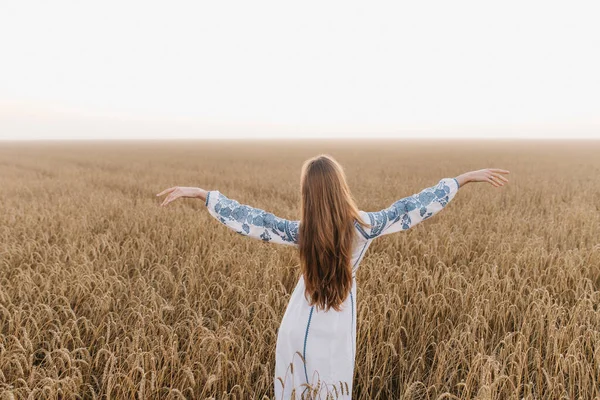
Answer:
[(104, 294)]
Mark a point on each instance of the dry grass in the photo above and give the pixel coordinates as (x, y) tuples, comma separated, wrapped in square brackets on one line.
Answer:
[(103, 294)]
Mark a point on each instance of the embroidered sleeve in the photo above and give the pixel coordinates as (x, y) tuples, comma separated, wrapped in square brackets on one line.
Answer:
[(409, 211), (250, 221)]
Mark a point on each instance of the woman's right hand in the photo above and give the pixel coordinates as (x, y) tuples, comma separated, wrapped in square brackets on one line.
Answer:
[(182, 191), (491, 175)]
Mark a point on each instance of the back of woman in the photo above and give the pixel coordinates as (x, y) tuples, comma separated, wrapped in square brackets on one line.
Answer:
[(318, 347)]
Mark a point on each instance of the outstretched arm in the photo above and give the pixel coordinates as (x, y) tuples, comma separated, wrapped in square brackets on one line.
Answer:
[(410, 211), (250, 221), (241, 218)]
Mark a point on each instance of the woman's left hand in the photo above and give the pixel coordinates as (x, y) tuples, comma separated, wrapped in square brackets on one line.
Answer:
[(182, 191)]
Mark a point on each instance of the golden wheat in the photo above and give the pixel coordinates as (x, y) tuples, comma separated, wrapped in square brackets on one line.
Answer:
[(104, 294)]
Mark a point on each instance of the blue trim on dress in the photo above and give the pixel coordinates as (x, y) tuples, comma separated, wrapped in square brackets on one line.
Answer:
[(352, 326), (456, 182), (361, 230), (207, 197), (305, 339)]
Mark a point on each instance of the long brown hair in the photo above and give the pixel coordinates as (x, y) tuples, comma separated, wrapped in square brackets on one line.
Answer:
[(326, 232)]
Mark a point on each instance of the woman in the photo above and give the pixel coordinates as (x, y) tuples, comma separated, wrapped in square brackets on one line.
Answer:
[(316, 342)]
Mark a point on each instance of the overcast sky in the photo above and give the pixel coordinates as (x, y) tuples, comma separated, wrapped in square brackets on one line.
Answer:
[(128, 69)]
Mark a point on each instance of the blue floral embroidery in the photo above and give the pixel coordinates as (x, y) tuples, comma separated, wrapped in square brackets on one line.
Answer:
[(225, 211), (428, 201), (254, 222), (258, 220), (269, 219), (292, 228), (240, 213), (439, 193), (265, 236), (426, 197), (280, 225)]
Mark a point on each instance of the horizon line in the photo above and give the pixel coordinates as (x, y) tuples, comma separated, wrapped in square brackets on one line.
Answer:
[(300, 138)]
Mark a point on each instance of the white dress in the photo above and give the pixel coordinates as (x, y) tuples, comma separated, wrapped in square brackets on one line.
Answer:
[(325, 340)]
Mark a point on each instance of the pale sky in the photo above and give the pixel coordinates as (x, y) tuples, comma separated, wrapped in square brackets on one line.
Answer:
[(174, 69)]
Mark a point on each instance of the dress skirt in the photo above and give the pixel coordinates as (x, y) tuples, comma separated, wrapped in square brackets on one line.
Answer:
[(315, 350)]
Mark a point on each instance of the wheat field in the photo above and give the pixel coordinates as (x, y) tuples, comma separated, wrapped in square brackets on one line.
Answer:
[(106, 295)]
